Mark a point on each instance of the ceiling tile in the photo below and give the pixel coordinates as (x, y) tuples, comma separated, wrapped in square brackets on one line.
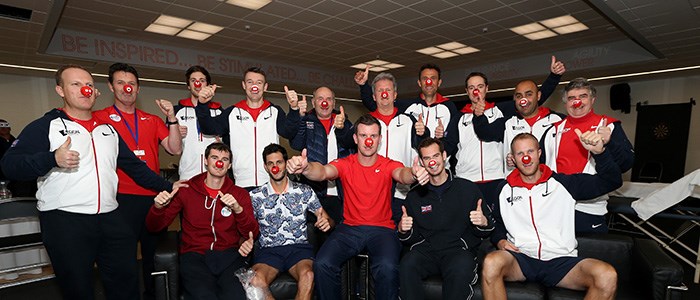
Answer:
[(380, 7), (330, 8)]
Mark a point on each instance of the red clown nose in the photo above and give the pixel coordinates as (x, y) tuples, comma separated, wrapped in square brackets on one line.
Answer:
[(219, 164), (275, 170), (324, 104), (385, 95), (197, 84), (128, 89), (475, 92), (432, 163), (523, 102), (86, 91), (577, 103), (526, 159), (255, 89), (428, 81), (369, 142)]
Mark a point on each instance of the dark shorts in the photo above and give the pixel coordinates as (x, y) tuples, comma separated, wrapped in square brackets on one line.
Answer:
[(285, 257), (547, 272)]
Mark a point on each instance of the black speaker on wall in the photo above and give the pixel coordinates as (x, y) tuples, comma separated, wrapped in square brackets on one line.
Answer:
[(620, 98)]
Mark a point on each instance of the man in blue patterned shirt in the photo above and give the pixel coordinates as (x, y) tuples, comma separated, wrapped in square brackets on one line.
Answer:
[(280, 207)]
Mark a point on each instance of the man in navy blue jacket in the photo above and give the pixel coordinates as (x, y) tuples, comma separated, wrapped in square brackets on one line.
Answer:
[(74, 158)]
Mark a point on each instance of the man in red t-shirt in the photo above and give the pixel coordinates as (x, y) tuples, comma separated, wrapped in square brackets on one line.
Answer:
[(367, 179), (142, 132)]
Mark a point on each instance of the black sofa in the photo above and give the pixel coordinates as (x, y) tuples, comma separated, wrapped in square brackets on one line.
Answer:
[(644, 272)]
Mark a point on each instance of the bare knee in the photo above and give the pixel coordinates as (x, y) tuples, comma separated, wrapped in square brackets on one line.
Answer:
[(494, 267), (259, 282), (605, 279), (306, 276)]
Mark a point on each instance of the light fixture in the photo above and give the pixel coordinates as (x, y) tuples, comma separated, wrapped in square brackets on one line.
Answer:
[(448, 50), (204, 27), (550, 27), (172, 21), (377, 65), (377, 62), (249, 4), (184, 28), (162, 29), (193, 35), (378, 69)]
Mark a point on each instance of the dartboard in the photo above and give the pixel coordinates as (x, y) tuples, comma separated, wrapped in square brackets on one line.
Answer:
[(661, 131)]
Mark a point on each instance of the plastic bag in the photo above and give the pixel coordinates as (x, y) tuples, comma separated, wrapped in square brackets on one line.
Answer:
[(245, 275)]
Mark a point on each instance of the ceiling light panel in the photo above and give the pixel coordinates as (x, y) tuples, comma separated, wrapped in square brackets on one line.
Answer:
[(445, 54), (571, 28), (162, 29), (172, 21), (466, 50), (559, 21), (204, 27), (249, 4), (194, 35), (451, 46), (540, 35), (429, 50), (528, 28)]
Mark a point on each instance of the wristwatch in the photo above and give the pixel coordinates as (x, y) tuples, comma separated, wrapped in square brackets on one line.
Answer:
[(167, 122)]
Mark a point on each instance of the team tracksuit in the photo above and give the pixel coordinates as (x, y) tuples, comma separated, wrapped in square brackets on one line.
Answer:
[(195, 142)]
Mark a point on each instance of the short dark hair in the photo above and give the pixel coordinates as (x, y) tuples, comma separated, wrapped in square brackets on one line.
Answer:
[(368, 120), (193, 69), (63, 68), (429, 142), (430, 66), (218, 146), (258, 70), (117, 67), (274, 148), (579, 83), (474, 74), (524, 136)]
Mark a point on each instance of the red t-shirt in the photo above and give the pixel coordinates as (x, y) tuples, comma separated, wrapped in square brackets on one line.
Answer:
[(327, 124), (151, 130), (212, 192), (254, 112), (384, 118), (367, 190), (572, 157)]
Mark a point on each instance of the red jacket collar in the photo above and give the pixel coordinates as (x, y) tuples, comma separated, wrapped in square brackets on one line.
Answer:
[(590, 118), (438, 98), (244, 105), (187, 102), (468, 108), (515, 180)]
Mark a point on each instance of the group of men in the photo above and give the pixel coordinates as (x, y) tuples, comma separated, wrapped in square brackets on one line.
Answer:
[(417, 172)]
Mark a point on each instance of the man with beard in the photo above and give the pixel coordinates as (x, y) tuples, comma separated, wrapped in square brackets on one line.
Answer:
[(248, 126), (563, 154), (216, 216), (442, 223), (531, 118), (326, 134), (535, 223), (280, 207), (367, 178), (194, 142)]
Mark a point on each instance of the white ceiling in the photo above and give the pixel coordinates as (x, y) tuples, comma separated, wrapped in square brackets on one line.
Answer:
[(335, 34)]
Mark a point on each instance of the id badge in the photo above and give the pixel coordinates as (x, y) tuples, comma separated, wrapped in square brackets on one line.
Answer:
[(139, 152)]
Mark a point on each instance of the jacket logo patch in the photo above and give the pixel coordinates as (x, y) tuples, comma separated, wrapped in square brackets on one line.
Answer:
[(239, 118), (520, 127), (426, 209), (309, 125), (267, 117), (69, 132), (466, 123), (514, 199), (185, 118), (106, 134)]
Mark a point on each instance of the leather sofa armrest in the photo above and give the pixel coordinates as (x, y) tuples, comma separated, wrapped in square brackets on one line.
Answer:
[(650, 264), (167, 266)]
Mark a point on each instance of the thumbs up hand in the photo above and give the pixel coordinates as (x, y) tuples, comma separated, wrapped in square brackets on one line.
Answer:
[(362, 76), (207, 93), (166, 107), (247, 246), (477, 216), (231, 202), (65, 157), (591, 141), (163, 198), (604, 131), (420, 174), (420, 125), (297, 164), (406, 222), (339, 122), (302, 105), (556, 66), (439, 130)]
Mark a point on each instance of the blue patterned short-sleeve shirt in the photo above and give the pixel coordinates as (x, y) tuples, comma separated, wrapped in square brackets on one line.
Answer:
[(282, 217)]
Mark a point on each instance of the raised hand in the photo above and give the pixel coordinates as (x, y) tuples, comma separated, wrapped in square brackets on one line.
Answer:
[(406, 222), (302, 105), (65, 157), (439, 130), (247, 246), (163, 198), (167, 108), (362, 76), (419, 172), (339, 121), (183, 131), (297, 164), (556, 66), (231, 202), (420, 125), (506, 245), (322, 220), (292, 98), (207, 93), (510, 161), (604, 131), (591, 141), (477, 216), (479, 106)]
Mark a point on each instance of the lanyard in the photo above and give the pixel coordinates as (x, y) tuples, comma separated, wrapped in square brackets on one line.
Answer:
[(134, 133)]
